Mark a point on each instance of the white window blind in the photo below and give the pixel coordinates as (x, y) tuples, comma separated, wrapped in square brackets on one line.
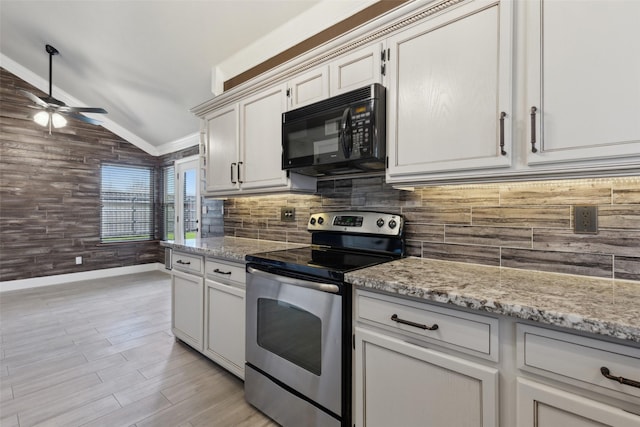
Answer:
[(169, 202), (126, 197)]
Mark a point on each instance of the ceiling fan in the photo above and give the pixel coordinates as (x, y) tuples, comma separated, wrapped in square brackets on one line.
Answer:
[(53, 110)]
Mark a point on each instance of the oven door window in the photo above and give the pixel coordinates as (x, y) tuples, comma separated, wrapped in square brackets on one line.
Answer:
[(290, 332)]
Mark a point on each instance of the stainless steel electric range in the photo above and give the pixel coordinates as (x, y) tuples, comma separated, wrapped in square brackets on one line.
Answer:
[(299, 309)]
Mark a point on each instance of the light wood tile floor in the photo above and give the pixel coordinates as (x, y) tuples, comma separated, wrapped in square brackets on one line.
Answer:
[(101, 353)]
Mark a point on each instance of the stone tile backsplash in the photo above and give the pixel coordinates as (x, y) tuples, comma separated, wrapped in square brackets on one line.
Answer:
[(524, 225)]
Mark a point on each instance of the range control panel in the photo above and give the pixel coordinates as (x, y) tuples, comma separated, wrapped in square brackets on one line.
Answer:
[(357, 222)]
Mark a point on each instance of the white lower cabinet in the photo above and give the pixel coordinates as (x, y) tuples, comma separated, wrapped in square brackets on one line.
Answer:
[(566, 385), (402, 379), (402, 384), (419, 363), (208, 312), (224, 326), (187, 308), (540, 405)]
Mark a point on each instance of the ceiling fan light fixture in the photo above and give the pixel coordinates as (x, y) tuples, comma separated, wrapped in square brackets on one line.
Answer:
[(41, 118), (54, 110), (58, 121)]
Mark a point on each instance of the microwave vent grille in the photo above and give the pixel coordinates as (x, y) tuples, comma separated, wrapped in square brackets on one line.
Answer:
[(375, 91)]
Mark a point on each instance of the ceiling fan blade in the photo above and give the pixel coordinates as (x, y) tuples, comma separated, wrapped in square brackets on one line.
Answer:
[(34, 98), (82, 110), (82, 118)]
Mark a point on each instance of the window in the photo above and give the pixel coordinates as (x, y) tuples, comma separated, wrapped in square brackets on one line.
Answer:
[(126, 197), (168, 202)]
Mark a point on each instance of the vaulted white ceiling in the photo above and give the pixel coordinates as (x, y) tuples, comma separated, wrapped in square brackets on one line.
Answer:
[(147, 62)]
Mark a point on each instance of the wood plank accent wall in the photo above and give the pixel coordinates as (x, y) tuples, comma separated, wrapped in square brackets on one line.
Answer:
[(50, 193), (521, 225)]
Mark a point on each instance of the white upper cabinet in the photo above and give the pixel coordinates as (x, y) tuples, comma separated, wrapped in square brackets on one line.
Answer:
[(347, 72), (583, 68), (261, 139), (449, 93), (357, 69), (307, 88), (244, 147), (222, 149)]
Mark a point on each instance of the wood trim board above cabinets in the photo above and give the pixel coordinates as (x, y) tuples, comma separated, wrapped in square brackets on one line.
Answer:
[(375, 10)]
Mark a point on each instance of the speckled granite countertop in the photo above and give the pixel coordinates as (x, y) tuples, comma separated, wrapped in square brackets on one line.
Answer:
[(230, 248), (600, 306)]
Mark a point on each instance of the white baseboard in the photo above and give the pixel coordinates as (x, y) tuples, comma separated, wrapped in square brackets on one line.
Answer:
[(59, 279)]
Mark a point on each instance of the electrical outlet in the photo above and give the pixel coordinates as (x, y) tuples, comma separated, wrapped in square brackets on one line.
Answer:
[(287, 214), (78, 260), (585, 219)]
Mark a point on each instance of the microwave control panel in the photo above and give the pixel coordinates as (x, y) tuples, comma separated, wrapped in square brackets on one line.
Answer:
[(361, 129)]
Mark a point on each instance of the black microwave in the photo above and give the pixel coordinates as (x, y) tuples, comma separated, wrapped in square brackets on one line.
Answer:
[(339, 135)]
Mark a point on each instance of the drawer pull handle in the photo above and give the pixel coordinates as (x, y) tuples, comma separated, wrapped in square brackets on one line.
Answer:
[(622, 380), (395, 318), (182, 262), (221, 272)]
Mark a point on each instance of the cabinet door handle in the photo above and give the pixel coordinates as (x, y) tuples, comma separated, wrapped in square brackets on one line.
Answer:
[(533, 130), (395, 318), (182, 262), (221, 272), (239, 180), (502, 116), (622, 380), (232, 165)]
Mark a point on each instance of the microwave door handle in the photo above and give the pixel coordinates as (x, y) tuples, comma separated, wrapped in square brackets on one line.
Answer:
[(345, 133), (324, 287)]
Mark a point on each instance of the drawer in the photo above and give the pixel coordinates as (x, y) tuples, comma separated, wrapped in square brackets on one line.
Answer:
[(187, 262), (225, 271), (467, 332), (578, 360)]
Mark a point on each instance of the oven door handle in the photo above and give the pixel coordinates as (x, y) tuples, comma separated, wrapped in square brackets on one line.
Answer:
[(324, 287)]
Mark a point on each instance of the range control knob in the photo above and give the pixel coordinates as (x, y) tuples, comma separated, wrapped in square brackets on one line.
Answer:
[(320, 220), (380, 222), (392, 224), (312, 221)]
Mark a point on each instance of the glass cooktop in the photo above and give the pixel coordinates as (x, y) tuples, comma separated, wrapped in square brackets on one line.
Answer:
[(324, 263)]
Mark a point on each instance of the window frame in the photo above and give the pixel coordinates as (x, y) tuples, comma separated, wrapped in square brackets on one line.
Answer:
[(167, 207), (145, 209)]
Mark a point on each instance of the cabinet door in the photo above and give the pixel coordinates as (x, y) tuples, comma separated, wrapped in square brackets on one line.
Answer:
[(222, 149), (401, 384), (224, 326), (187, 314), (543, 406), (449, 83), (261, 139), (583, 63), (356, 69), (308, 88)]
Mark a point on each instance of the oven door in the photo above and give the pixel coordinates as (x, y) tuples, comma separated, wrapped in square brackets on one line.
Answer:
[(294, 335)]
